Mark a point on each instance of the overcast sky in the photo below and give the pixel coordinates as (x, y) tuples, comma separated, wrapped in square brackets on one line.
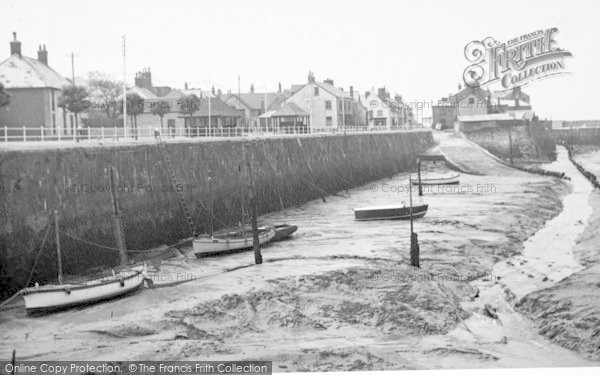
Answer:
[(414, 48)]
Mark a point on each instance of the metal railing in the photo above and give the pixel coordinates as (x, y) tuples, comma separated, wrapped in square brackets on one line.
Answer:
[(115, 134)]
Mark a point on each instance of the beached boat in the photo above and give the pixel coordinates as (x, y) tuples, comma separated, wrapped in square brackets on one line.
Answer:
[(232, 241), (283, 231), (395, 212), (437, 180), (47, 298)]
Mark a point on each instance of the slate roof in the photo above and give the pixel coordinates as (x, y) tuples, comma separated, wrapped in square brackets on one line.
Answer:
[(254, 100), (290, 109), (217, 108), (26, 72)]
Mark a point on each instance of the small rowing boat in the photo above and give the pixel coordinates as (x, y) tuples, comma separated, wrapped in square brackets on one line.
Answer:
[(283, 232), (232, 241), (48, 298), (437, 180), (396, 212)]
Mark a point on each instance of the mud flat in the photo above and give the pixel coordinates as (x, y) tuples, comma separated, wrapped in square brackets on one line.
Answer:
[(340, 295), (569, 312)]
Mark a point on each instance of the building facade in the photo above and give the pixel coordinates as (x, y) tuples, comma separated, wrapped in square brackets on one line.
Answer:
[(34, 89)]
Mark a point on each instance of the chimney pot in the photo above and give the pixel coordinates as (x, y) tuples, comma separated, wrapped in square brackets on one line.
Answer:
[(43, 55), (15, 46)]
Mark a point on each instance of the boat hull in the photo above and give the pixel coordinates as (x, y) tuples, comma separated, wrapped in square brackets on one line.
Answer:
[(389, 212), (222, 245), (453, 180), (283, 232), (52, 298)]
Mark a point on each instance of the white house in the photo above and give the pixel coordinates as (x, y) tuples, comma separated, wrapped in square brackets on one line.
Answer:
[(328, 107), (383, 111)]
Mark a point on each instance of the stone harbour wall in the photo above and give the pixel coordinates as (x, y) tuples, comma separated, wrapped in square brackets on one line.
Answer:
[(287, 172)]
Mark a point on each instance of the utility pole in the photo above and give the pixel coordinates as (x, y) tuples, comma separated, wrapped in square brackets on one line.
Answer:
[(124, 87), (73, 68)]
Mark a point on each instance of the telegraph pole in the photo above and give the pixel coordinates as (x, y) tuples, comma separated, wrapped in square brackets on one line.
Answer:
[(124, 87)]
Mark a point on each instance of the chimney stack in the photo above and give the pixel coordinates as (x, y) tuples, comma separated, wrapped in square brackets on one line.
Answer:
[(381, 92), (311, 77), (43, 55), (352, 92), (329, 81), (252, 88), (279, 87), (15, 46)]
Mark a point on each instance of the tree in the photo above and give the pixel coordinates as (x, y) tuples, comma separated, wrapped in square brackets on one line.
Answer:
[(75, 100), (4, 96), (188, 105), (135, 106), (160, 109), (105, 91)]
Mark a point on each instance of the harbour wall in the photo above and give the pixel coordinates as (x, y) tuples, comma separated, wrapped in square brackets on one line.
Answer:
[(528, 142), (579, 136), (287, 172)]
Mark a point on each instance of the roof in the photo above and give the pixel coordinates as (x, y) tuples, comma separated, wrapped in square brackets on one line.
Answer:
[(254, 100), (290, 109), (198, 92), (26, 72), (468, 91), (142, 92), (267, 114), (333, 90), (174, 94), (514, 94), (217, 108)]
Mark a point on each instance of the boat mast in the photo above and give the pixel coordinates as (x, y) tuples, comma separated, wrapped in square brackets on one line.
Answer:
[(211, 208), (58, 254), (242, 192), (117, 223)]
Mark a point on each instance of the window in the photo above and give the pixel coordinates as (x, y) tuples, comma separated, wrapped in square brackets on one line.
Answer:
[(380, 122), (471, 100), (316, 91), (327, 104), (328, 121), (171, 123), (380, 113), (53, 101)]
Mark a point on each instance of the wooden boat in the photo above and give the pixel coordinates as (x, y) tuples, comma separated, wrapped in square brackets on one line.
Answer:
[(59, 296), (397, 212), (283, 231), (441, 180), (48, 298), (230, 241)]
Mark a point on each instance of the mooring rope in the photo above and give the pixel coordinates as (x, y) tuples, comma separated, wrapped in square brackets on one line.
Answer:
[(100, 245)]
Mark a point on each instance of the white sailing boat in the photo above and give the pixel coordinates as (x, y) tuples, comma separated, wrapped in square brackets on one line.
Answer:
[(47, 298)]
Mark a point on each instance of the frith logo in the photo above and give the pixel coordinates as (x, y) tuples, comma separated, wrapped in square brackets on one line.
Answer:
[(517, 62)]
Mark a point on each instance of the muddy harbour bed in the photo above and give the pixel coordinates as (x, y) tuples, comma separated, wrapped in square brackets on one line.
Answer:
[(341, 294)]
